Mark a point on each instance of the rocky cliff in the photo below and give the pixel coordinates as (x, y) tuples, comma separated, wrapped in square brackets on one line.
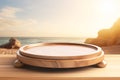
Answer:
[(107, 37), (12, 44)]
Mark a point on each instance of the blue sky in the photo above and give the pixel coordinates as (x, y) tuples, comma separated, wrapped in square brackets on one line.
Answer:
[(56, 18)]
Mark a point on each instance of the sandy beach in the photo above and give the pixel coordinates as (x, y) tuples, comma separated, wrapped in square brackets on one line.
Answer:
[(4, 51), (115, 49)]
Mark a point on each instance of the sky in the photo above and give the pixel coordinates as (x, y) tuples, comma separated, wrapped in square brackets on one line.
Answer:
[(56, 18)]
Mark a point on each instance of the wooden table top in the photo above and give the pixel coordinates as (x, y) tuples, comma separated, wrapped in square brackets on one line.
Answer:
[(9, 72)]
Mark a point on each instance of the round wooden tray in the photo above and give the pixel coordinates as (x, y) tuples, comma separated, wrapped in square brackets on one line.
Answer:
[(60, 51), (60, 55)]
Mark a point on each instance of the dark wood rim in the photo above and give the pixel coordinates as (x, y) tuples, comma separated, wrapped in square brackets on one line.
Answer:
[(94, 54)]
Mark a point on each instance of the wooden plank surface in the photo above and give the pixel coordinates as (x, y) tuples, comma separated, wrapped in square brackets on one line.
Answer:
[(8, 72)]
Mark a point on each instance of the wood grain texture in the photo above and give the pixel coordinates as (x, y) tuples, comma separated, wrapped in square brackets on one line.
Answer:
[(110, 72), (71, 63), (60, 55)]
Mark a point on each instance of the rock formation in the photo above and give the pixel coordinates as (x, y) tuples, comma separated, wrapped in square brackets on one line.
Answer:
[(107, 37), (12, 44)]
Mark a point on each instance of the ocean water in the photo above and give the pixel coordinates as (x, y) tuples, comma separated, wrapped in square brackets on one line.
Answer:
[(32, 40)]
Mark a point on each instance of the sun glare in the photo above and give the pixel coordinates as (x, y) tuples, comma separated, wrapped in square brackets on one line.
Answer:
[(109, 12), (108, 7)]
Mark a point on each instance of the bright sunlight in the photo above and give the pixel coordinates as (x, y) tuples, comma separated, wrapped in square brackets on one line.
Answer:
[(109, 11)]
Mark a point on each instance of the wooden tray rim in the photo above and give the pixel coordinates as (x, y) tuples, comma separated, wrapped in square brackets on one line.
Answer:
[(94, 54), (60, 63)]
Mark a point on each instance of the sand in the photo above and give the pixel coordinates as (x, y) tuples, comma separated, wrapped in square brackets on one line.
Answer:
[(4, 51), (115, 49)]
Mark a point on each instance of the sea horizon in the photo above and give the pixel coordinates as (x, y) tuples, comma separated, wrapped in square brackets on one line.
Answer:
[(32, 40)]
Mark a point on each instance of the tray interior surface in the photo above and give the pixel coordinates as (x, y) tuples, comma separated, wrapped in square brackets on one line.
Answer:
[(60, 50)]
